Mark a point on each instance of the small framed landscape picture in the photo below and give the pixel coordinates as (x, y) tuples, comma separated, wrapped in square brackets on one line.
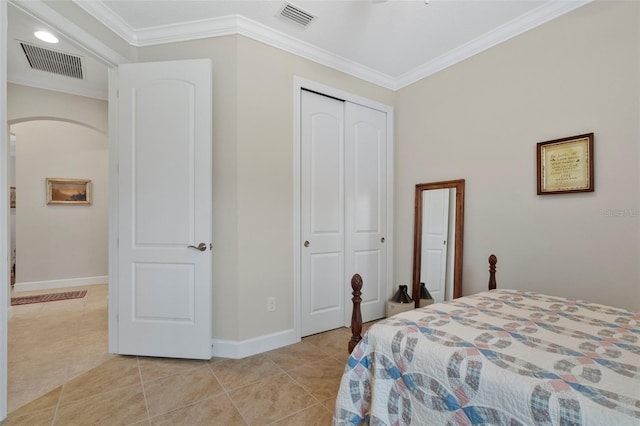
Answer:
[(68, 191)]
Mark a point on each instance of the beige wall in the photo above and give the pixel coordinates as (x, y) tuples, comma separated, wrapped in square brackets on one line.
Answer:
[(481, 119), (265, 177), (253, 175), (28, 103), (59, 242), (53, 149)]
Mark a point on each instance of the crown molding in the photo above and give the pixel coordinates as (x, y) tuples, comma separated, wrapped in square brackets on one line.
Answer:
[(277, 39), (111, 20), (236, 24), (231, 25), (513, 28)]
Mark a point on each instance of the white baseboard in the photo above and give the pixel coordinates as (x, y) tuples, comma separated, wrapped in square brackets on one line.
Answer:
[(244, 348), (69, 282)]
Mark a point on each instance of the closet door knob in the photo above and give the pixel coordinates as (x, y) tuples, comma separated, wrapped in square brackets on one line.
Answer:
[(382, 240), (307, 243)]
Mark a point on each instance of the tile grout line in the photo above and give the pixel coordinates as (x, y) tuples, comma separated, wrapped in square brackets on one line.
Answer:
[(55, 412), (192, 402), (303, 387), (294, 413), (226, 392), (318, 402), (144, 393)]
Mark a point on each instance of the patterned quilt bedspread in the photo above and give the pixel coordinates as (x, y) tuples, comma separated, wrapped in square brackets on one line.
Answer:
[(501, 357)]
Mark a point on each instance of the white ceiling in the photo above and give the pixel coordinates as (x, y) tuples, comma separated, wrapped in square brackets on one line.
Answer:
[(392, 43)]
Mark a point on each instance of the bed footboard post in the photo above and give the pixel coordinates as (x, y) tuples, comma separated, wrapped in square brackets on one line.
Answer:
[(492, 271), (356, 315)]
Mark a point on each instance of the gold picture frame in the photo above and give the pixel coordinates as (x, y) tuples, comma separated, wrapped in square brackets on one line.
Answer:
[(68, 191), (565, 165)]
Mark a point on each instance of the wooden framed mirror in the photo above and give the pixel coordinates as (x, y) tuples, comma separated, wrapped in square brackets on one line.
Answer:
[(437, 253)]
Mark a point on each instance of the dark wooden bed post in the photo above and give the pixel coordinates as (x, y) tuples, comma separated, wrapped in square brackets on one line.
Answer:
[(492, 271), (356, 315)]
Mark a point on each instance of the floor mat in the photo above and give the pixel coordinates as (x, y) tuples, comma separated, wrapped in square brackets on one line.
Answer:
[(50, 297)]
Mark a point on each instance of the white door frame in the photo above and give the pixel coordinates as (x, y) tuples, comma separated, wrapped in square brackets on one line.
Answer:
[(300, 83), (111, 58), (112, 270), (4, 216)]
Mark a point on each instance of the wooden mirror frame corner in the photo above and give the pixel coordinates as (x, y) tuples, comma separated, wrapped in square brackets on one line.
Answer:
[(458, 184)]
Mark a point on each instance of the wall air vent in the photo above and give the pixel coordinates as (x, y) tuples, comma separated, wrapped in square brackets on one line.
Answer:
[(52, 61), (295, 14)]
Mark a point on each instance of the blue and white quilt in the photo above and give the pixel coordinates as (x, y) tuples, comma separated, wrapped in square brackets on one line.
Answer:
[(501, 357)]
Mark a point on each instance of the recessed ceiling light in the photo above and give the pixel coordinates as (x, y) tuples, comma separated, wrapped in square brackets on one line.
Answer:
[(46, 36)]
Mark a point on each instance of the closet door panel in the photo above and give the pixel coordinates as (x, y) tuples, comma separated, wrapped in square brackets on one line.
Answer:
[(366, 204), (322, 213)]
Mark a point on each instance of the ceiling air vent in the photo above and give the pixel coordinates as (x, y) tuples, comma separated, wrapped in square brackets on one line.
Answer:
[(52, 61), (297, 15)]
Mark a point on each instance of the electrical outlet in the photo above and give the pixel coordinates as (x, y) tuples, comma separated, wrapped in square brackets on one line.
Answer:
[(271, 304)]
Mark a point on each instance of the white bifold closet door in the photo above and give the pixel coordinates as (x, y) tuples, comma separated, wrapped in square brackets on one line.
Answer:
[(343, 212)]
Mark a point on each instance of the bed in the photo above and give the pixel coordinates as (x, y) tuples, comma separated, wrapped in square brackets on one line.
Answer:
[(500, 357)]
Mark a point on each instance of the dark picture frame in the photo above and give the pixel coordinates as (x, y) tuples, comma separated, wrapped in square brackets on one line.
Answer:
[(565, 165)]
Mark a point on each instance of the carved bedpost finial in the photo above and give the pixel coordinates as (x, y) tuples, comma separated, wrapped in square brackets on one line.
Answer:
[(492, 271), (356, 316)]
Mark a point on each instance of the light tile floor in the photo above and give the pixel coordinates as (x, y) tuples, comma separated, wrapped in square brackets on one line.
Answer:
[(51, 343), (61, 374)]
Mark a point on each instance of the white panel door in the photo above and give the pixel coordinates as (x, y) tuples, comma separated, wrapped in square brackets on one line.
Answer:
[(435, 229), (366, 206), (322, 213), (164, 184)]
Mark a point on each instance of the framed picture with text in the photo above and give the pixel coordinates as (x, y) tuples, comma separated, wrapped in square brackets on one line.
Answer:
[(565, 165)]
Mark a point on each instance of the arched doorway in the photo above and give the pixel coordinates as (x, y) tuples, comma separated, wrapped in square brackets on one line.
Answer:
[(60, 248)]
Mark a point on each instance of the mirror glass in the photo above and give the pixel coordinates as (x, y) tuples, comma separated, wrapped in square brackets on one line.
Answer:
[(438, 239)]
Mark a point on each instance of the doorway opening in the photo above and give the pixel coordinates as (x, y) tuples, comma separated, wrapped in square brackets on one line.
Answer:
[(58, 248)]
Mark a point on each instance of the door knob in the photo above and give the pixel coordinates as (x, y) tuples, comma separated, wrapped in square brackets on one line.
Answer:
[(382, 240), (201, 247), (306, 243)]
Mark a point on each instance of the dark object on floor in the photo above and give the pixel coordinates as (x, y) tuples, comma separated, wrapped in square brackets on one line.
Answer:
[(402, 296), (424, 293), (51, 297)]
